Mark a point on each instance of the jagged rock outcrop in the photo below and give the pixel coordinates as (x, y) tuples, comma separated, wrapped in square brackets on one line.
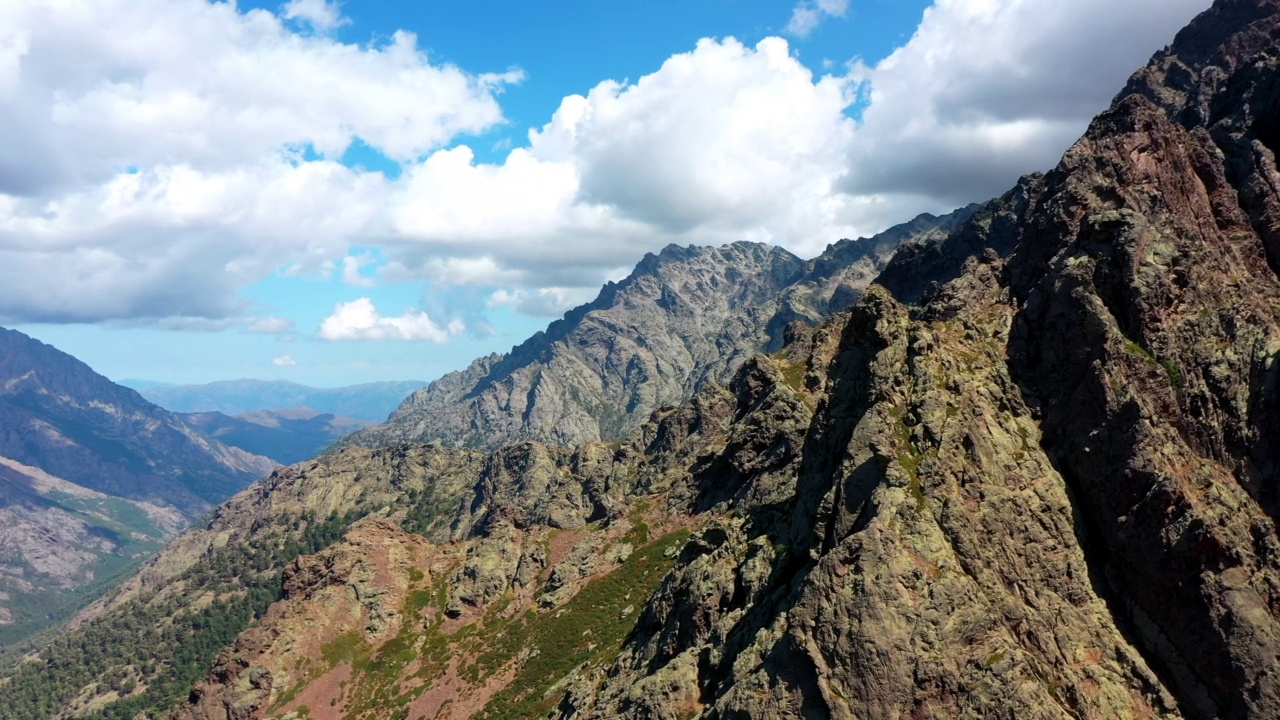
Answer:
[(684, 317), (1050, 484), (356, 588)]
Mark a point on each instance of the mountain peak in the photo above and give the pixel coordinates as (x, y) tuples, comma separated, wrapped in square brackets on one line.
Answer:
[(686, 316)]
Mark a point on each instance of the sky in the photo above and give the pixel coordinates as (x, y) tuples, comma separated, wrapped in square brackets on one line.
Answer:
[(342, 192)]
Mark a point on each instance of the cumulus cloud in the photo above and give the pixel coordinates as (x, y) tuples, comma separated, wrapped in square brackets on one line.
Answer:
[(323, 16), (542, 302), (160, 156), (987, 91), (359, 320), (351, 270), (725, 142), (154, 155), (284, 361), (730, 142), (809, 14)]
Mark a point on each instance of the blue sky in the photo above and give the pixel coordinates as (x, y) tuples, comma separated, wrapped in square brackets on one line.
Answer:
[(340, 193)]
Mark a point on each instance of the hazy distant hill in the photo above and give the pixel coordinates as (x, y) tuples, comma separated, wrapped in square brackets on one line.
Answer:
[(286, 436), (369, 401)]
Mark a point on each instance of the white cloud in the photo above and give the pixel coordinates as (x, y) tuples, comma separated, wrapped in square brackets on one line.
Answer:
[(284, 361), (722, 143), (270, 326), (986, 91), (153, 162), (351, 270), (542, 302), (153, 156), (359, 320), (323, 16), (807, 15), (728, 142)]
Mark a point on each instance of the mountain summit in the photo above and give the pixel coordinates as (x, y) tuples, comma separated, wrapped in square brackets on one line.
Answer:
[(684, 317)]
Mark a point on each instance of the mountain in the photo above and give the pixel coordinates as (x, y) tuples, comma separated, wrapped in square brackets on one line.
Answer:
[(1031, 472), (61, 544), (286, 436), (58, 415), (370, 401), (92, 479), (684, 317)]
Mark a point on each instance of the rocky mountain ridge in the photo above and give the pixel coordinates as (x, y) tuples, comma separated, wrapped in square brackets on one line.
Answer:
[(1029, 474), (684, 317)]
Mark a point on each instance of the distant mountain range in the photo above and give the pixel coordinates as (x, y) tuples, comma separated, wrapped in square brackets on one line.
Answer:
[(369, 401), (92, 478)]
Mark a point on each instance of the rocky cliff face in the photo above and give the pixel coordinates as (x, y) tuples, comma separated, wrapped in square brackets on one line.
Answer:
[(683, 318), (1045, 488), (1031, 473)]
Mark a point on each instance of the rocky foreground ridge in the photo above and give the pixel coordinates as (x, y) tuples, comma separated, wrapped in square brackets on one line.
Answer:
[(685, 317), (1031, 473)]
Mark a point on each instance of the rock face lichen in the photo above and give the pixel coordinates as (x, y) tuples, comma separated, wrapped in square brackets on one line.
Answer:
[(1031, 473)]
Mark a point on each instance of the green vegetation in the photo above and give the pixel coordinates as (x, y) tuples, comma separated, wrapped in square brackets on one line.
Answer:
[(158, 645), (909, 458), (793, 375), (428, 512), (1176, 378), (590, 628), (1174, 372), (541, 647)]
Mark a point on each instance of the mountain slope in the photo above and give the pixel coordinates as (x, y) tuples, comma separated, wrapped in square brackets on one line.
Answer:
[(1040, 483), (57, 414), (370, 401), (92, 479), (60, 544), (684, 317)]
